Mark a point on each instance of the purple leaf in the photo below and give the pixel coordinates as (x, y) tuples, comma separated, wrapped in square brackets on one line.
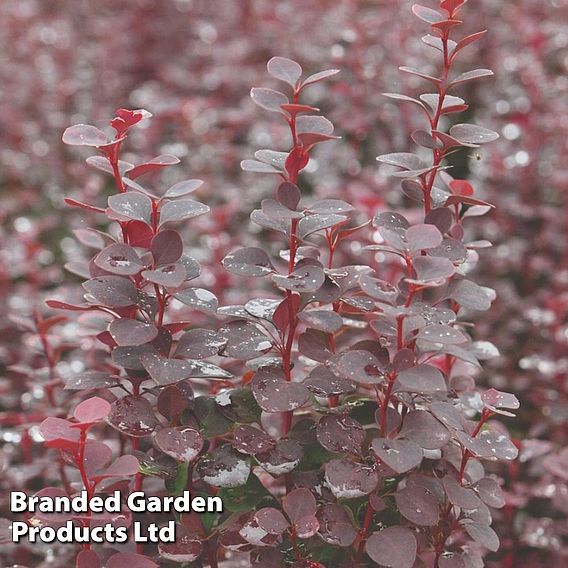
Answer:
[(490, 492), (91, 380), (420, 74), (422, 379), (183, 444), (174, 400), (274, 394), (133, 416), (132, 332), (198, 299), (250, 440), (84, 135), (181, 210), (183, 188), (273, 158), (244, 340), (336, 527), (404, 160), (317, 222), (404, 98), (473, 134), (258, 167), (489, 444), (87, 559), (469, 295), (315, 345), (323, 320), (322, 382), (444, 334), (289, 195), (482, 534), (427, 14), (131, 205), (199, 344), (281, 459), (340, 434), (316, 77), (451, 249), (119, 259), (275, 210), (154, 164), (496, 400), (186, 548), (169, 276), (96, 456), (224, 467), (421, 427), (425, 139), (124, 466), (450, 103), (112, 291), (378, 289), (306, 277), (299, 504), (393, 546), (269, 99), (251, 261), (433, 270), (400, 455), (418, 505), (423, 237), (314, 124), (350, 480), (165, 371), (92, 410), (361, 367), (166, 247), (331, 206), (285, 69), (58, 433), (470, 76), (460, 496)]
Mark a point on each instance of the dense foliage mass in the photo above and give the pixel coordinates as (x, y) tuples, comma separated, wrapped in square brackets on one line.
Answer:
[(342, 365)]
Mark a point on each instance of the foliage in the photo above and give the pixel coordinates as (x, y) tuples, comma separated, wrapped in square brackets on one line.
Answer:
[(319, 368)]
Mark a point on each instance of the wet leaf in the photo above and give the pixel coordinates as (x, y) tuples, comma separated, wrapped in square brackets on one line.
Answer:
[(92, 410), (269, 99), (128, 332), (285, 69), (244, 340), (119, 259), (350, 480), (198, 299), (418, 505), (400, 455), (112, 291), (423, 379), (133, 416), (181, 210), (186, 548), (336, 527), (251, 261), (131, 205), (224, 467), (274, 394), (183, 444), (392, 547)]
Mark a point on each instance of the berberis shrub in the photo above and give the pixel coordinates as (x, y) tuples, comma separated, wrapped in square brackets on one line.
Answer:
[(334, 410)]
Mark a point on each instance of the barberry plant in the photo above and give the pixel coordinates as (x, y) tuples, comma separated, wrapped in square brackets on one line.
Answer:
[(335, 411)]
